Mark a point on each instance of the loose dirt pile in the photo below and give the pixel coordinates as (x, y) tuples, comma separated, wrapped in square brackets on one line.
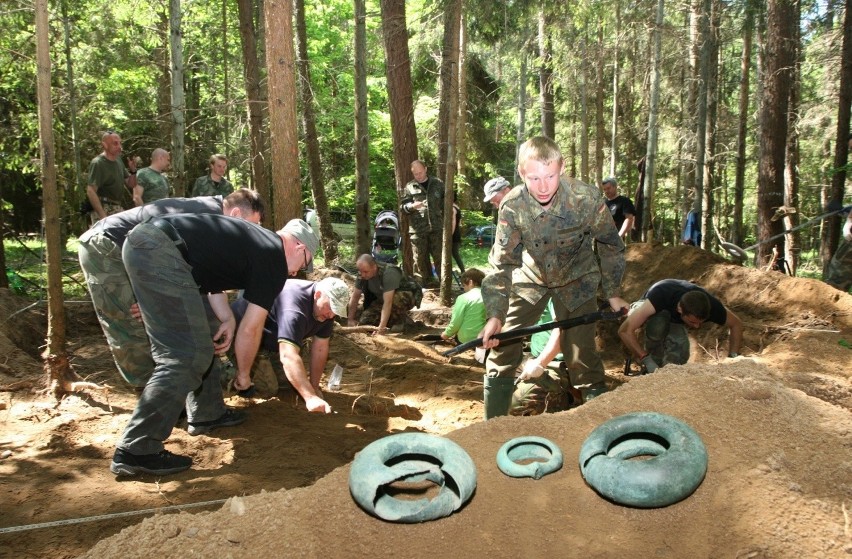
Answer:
[(776, 424)]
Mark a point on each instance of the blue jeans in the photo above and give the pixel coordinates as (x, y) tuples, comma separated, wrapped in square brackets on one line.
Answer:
[(180, 325)]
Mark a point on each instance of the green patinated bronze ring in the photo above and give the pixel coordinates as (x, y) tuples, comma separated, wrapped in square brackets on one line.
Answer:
[(386, 466), (676, 467), (542, 457)]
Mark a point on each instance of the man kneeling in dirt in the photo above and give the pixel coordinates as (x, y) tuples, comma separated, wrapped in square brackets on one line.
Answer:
[(545, 384), (666, 310), (388, 295), (303, 309)]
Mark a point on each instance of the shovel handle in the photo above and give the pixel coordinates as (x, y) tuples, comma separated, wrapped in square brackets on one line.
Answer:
[(522, 332)]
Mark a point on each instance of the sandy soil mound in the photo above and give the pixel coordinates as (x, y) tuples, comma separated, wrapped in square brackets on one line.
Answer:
[(778, 480)]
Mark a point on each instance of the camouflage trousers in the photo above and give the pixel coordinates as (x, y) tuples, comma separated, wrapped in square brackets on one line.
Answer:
[(403, 301), (112, 296), (666, 341), (109, 208), (578, 344), (423, 248), (548, 393), (839, 273), (180, 324)]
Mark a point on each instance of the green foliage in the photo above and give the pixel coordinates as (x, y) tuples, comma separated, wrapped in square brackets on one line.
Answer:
[(27, 271)]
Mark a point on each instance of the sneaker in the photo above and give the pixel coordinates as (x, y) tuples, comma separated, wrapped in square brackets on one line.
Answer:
[(160, 464), (228, 419)]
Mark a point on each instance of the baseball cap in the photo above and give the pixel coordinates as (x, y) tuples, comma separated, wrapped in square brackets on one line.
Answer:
[(305, 235), (338, 294), (493, 187)]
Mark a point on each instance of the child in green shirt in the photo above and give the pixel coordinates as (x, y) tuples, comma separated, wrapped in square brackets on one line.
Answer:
[(468, 316)]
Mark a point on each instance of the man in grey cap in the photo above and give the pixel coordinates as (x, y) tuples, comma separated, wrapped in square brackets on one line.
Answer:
[(495, 189), (112, 296), (303, 310), (172, 262)]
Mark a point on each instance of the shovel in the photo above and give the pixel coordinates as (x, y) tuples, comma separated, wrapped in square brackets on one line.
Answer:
[(522, 332)]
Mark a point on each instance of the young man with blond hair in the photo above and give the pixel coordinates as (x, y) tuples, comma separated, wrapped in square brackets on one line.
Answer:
[(543, 250)]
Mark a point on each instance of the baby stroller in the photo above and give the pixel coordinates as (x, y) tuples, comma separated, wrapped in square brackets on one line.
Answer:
[(386, 238)]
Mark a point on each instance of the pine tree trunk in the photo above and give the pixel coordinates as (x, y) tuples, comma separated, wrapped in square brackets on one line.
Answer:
[(791, 159), (283, 134), (545, 72), (654, 109), (742, 125), (398, 68), (257, 136), (831, 232), (55, 355), (362, 134), (779, 60), (600, 92), (309, 126), (178, 99)]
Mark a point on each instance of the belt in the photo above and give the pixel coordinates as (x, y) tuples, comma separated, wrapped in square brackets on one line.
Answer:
[(172, 234)]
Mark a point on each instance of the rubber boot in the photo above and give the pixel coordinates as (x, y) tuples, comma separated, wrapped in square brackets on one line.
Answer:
[(497, 394), (593, 391)]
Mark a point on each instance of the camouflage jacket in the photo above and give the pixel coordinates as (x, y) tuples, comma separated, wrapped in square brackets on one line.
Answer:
[(204, 186), (431, 218), (539, 252)]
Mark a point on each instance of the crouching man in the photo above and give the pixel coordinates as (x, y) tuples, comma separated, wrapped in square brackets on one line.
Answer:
[(667, 309), (302, 310), (388, 295)]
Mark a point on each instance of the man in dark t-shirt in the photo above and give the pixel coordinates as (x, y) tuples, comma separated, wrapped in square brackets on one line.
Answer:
[(172, 261), (112, 296), (302, 310), (622, 209), (666, 310)]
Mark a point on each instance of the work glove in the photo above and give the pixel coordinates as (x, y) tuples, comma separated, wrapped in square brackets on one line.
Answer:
[(649, 364), (531, 370)]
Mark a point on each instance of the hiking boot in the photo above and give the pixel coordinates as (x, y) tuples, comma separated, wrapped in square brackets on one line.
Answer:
[(227, 419), (161, 464)]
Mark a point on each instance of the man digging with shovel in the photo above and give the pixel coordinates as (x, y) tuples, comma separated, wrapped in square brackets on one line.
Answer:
[(543, 251)]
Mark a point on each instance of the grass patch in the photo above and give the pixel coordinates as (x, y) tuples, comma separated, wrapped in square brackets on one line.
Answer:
[(26, 269)]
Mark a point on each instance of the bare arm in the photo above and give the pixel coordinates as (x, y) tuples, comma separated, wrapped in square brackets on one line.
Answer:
[(627, 225), (92, 194), (225, 333), (246, 343), (294, 369), (634, 321)]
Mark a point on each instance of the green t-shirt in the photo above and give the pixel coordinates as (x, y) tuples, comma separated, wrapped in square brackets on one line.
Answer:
[(154, 184), (109, 177), (468, 317), (539, 339)]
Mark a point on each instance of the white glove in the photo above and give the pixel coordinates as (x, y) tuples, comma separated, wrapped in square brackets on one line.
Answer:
[(531, 370), (479, 354)]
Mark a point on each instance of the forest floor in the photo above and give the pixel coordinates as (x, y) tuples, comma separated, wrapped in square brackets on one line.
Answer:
[(776, 423)]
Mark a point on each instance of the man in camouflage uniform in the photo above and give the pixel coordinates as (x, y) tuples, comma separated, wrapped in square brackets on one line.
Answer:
[(840, 268), (109, 183), (543, 250), (214, 182), (423, 202), (112, 296), (388, 295)]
